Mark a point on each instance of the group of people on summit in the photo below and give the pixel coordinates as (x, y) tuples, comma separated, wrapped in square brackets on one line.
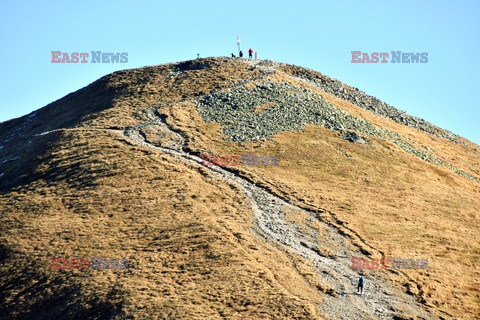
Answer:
[(240, 54)]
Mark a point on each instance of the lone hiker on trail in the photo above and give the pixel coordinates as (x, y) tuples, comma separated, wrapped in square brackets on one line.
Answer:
[(250, 53), (361, 282)]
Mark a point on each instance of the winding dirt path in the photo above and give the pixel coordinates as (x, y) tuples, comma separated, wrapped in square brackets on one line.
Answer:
[(381, 300)]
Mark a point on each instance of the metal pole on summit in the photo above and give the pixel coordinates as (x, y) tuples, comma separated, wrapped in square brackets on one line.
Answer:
[(238, 44)]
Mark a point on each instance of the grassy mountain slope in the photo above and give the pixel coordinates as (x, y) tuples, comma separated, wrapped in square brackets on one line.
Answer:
[(75, 185)]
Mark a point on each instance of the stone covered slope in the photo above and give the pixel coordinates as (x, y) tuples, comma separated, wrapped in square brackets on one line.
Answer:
[(363, 100)]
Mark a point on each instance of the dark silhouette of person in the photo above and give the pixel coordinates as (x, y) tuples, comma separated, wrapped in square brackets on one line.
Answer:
[(361, 282), (233, 56), (250, 53), (240, 54)]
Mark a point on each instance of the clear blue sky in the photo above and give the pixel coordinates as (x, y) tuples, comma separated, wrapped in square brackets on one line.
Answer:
[(316, 34)]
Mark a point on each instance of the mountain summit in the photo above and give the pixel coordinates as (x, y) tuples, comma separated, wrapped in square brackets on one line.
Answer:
[(226, 188)]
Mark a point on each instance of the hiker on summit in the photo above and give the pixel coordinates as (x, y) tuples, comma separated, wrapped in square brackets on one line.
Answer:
[(250, 53), (361, 282), (240, 54)]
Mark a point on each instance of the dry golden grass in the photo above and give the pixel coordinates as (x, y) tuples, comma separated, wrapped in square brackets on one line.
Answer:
[(183, 232), (85, 191)]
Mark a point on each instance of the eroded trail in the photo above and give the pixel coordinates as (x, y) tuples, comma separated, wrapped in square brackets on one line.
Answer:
[(380, 299)]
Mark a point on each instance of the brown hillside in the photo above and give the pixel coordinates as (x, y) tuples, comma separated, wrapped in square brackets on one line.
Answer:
[(114, 171)]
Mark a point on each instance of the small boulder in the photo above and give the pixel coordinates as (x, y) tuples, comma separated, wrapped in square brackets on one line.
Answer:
[(352, 137)]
